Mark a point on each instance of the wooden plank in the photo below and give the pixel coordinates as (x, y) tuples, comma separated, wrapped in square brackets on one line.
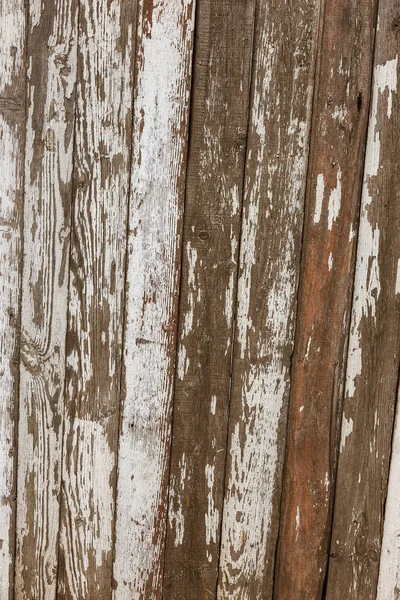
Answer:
[(389, 565), (340, 116), (164, 57), (51, 56), (283, 73), (221, 80), (96, 295), (12, 142), (374, 344)]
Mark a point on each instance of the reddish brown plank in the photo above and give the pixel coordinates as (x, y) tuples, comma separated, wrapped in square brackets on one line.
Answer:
[(276, 168), (340, 117), (374, 344), (221, 81)]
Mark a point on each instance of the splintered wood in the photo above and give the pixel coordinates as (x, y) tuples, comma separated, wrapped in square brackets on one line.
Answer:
[(199, 300)]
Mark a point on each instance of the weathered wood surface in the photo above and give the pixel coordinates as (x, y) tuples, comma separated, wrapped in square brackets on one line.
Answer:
[(12, 143), (340, 116), (161, 115), (275, 178), (106, 34), (374, 343), (218, 129), (51, 56), (144, 420)]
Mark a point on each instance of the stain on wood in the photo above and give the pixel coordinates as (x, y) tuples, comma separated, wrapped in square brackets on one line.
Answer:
[(340, 115), (199, 300)]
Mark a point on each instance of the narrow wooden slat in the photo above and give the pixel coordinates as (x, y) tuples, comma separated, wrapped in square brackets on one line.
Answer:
[(96, 294), (374, 344), (389, 566), (340, 116), (284, 64), (51, 55), (221, 79), (161, 112), (12, 141)]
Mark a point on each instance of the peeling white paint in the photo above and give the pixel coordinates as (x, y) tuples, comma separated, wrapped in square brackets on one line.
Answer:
[(319, 196), (347, 428), (335, 200)]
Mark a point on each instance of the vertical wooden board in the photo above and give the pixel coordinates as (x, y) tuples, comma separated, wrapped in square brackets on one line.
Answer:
[(221, 80), (283, 73), (12, 136), (374, 343), (96, 293), (161, 112), (389, 566), (339, 129), (51, 57)]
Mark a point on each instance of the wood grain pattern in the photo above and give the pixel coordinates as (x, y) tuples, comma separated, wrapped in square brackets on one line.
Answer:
[(219, 108), (12, 142), (96, 294), (269, 265), (340, 116), (161, 113), (51, 56), (374, 344)]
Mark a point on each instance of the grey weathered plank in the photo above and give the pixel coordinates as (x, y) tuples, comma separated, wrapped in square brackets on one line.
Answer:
[(340, 116), (51, 56), (218, 128), (280, 116), (161, 113), (106, 40), (374, 344), (12, 141)]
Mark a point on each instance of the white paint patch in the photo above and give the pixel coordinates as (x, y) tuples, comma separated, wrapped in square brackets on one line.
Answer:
[(398, 277), (297, 521), (213, 404), (319, 196), (347, 428), (335, 200), (212, 514), (330, 261)]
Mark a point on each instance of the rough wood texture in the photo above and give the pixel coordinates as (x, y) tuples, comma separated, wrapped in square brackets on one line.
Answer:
[(106, 40), (269, 266), (219, 109), (12, 136), (164, 60), (51, 58), (374, 343), (340, 116)]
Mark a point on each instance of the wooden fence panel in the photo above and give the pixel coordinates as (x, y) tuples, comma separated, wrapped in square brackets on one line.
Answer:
[(339, 126), (161, 114), (218, 129), (12, 142), (374, 344), (106, 37), (51, 56), (280, 114)]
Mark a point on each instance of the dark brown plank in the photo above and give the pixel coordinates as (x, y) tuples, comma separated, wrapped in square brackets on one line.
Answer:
[(221, 82), (340, 118), (276, 169), (374, 345)]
